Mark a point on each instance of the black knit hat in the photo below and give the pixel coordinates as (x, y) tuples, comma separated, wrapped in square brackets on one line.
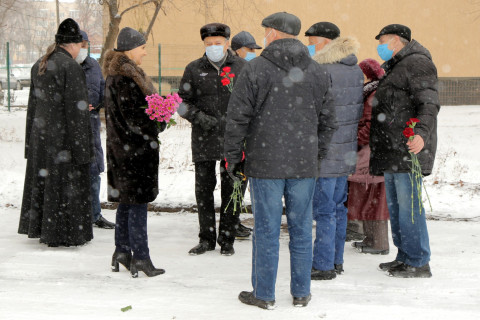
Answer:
[(129, 39), (68, 32), (215, 30), (398, 29), (323, 29), (284, 22)]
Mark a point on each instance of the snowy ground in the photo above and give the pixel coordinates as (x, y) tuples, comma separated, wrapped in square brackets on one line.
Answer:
[(37, 282)]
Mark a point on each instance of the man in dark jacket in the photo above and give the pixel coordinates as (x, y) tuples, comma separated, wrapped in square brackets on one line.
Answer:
[(408, 90), (338, 54), (205, 106), (96, 86), (277, 112)]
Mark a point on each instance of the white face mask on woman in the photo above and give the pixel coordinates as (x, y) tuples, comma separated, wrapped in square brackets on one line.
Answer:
[(82, 55)]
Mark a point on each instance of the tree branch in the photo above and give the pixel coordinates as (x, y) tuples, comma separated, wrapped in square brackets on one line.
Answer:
[(135, 6)]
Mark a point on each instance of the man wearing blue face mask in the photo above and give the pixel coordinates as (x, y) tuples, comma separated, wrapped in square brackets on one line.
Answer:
[(205, 101), (408, 90), (244, 45)]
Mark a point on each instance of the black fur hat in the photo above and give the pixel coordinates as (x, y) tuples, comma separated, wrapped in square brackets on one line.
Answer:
[(68, 32), (215, 29)]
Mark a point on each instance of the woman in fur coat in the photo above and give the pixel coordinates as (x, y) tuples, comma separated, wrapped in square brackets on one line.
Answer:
[(132, 151), (366, 193)]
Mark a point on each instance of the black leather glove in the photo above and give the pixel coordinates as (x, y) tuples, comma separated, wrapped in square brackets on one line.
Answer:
[(234, 170), (205, 121)]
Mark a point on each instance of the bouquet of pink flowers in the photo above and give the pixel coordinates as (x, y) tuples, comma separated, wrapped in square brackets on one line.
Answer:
[(161, 109)]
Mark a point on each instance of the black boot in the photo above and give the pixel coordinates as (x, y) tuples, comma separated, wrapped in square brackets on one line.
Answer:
[(124, 258), (146, 266)]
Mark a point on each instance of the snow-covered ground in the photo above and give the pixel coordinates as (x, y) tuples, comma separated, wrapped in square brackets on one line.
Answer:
[(37, 282)]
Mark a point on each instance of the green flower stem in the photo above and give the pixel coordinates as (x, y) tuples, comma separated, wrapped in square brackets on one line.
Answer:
[(237, 198)]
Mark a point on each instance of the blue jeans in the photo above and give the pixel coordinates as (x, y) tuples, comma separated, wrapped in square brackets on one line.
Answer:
[(267, 206), (411, 238), (95, 194), (331, 216), (131, 230)]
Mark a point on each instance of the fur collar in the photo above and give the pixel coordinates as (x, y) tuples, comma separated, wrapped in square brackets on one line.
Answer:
[(336, 50), (117, 63)]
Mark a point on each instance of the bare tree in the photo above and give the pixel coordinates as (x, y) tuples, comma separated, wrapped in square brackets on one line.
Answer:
[(115, 17)]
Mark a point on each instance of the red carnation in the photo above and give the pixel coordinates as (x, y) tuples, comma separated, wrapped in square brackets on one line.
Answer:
[(409, 123), (222, 74), (225, 81), (231, 75), (414, 120), (227, 69), (408, 132)]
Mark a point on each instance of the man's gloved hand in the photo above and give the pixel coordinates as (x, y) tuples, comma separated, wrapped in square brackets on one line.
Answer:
[(234, 170), (205, 121)]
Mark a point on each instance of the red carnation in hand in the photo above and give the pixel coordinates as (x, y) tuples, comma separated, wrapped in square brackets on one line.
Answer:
[(227, 69), (225, 81), (222, 74), (231, 75), (408, 132)]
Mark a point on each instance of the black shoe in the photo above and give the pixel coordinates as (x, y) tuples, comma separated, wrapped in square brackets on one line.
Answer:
[(406, 271), (323, 275), (146, 266), (242, 232), (121, 257), (371, 250), (248, 298), (302, 302), (357, 244), (352, 236), (201, 248), (388, 265), (104, 223), (339, 268), (243, 227), (227, 250)]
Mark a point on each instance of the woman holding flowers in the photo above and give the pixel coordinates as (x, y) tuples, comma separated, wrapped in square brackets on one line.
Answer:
[(132, 151)]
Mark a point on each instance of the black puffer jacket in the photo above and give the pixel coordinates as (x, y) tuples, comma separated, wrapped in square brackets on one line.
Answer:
[(277, 108), (408, 90), (339, 58), (202, 91)]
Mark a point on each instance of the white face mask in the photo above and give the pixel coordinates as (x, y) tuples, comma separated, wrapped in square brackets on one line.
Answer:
[(265, 39), (82, 55), (215, 53)]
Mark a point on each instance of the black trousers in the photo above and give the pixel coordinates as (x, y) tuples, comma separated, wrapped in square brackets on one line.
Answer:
[(131, 230), (205, 182)]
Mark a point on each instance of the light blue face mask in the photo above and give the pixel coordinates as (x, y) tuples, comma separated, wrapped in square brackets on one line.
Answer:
[(215, 53), (384, 53), (311, 50), (250, 56)]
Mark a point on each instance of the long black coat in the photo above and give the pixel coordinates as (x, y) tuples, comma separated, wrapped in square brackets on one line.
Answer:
[(132, 145), (339, 58), (56, 204), (96, 88), (278, 109), (408, 90), (201, 90)]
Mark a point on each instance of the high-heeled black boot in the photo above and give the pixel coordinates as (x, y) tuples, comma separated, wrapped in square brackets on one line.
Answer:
[(146, 266), (121, 257)]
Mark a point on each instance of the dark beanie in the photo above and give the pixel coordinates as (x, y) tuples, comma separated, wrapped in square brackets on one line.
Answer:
[(68, 32), (323, 29), (215, 30), (284, 22), (129, 39), (371, 69)]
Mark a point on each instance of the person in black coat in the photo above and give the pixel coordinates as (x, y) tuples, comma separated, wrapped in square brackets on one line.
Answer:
[(205, 106), (96, 88), (56, 203), (132, 151), (409, 90)]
